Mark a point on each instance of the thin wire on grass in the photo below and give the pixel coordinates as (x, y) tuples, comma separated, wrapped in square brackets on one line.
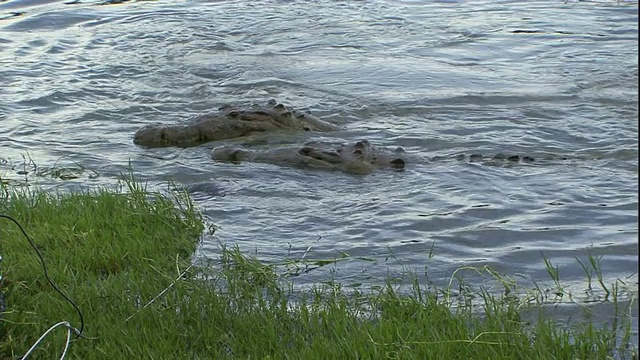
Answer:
[(66, 345), (46, 275), (468, 341), (160, 294)]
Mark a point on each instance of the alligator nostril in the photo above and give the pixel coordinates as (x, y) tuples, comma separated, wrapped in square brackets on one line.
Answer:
[(397, 163)]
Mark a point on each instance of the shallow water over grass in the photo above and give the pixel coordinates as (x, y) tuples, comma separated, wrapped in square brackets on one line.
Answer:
[(438, 78)]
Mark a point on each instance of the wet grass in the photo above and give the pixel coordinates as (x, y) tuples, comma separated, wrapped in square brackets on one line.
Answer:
[(125, 257)]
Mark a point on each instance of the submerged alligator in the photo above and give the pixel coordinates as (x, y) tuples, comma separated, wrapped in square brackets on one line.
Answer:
[(229, 123), (360, 157)]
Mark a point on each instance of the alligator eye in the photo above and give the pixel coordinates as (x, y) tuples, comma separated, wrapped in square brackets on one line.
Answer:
[(306, 128), (305, 151), (279, 106), (357, 152), (233, 114)]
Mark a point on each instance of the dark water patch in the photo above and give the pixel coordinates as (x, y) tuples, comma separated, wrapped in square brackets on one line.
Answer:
[(47, 21), (11, 15), (20, 4)]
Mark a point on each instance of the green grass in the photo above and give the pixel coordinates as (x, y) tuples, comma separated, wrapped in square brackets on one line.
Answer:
[(125, 257)]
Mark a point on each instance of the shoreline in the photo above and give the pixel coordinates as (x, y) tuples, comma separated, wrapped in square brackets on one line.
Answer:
[(125, 258)]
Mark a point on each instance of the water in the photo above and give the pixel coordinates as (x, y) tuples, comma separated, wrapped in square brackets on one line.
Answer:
[(437, 78)]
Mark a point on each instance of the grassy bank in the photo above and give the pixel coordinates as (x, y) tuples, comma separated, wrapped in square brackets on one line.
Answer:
[(117, 254)]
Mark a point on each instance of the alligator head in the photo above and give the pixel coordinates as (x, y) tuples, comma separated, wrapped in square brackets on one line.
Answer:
[(363, 152), (228, 123)]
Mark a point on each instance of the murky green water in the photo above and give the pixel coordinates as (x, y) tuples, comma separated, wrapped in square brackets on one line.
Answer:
[(438, 78)]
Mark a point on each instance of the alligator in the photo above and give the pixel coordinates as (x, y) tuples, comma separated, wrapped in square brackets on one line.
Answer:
[(358, 157), (230, 122)]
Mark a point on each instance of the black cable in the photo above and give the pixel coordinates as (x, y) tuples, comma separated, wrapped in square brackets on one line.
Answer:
[(46, 274)]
